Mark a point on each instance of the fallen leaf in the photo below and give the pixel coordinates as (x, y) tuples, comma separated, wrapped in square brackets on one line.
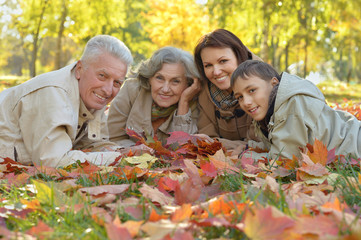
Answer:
[(318, 153), (47, 193), (117, 233), (320, 225), (182, 213), (142, 161), (41, 230), (209, 169), (222, 162), (154, 216), (262, 225), (155, 195), (113, 189), (181, 138)]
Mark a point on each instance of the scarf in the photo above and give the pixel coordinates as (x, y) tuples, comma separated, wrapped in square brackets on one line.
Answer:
[(161, 112), (223, 99)]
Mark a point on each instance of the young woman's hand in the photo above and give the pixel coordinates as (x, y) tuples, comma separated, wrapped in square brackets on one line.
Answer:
[(187, 96)]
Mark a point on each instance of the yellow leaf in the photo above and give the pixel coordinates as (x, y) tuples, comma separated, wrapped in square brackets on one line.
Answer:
[(141, 161), (47, 193)]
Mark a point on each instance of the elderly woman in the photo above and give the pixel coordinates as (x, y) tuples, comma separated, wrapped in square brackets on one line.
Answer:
[(157, 99)]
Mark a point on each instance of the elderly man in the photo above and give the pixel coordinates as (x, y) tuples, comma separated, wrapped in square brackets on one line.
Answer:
[(51, 118)]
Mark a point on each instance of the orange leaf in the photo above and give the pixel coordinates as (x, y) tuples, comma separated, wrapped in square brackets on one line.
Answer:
[(154, 216), (319, 153), (33, 204), (262, 225), (336, 205), (182, 213), (132, 226), (42, 230)]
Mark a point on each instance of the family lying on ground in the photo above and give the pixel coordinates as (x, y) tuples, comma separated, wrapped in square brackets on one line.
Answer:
[(225, 92)]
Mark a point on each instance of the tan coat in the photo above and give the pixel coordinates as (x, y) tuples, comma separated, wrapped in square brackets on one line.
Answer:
[(132, 109), (44, 119), (301, 115), (231, 129)]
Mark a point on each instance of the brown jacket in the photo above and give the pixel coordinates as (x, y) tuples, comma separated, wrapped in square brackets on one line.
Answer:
[(233, 124), (132, 107)]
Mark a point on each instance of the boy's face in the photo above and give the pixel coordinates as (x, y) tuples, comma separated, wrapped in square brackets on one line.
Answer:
[(253, 95)]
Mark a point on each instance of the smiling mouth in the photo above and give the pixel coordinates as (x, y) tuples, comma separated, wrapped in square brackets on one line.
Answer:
[(165, 96), (100, 97), (221, 79), (252, 110)]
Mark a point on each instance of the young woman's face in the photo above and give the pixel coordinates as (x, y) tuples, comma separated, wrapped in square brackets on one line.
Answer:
[(218, 65), (253, 95), (168, 84)]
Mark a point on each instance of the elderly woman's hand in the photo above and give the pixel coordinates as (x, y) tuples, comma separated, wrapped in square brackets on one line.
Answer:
[(188, 94)]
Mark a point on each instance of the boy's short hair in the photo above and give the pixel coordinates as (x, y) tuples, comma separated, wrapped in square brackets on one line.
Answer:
[(254, 68)]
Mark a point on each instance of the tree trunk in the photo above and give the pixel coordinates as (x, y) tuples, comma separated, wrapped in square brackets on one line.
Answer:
[(286, 56), (58, 60), (34, 53), (306, 56)]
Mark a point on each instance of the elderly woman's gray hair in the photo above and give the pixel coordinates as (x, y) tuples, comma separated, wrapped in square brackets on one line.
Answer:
[(109, 44), (151, 66)]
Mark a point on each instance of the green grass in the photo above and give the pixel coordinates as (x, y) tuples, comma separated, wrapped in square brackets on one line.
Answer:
[(336, 91)]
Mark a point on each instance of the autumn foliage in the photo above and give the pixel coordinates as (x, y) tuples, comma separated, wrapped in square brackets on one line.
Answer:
[(187, 189)]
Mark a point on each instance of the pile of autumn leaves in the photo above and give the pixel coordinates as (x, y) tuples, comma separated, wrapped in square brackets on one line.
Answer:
[(179, 191)]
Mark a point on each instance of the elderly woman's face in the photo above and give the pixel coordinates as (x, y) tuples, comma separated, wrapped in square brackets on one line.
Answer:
[(168, 84)]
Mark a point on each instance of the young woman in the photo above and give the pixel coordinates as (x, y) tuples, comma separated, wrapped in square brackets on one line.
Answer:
[(217, 55), (158, 99), (290, 112)]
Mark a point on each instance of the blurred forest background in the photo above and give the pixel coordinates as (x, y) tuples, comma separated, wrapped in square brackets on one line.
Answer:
[(307, 37)]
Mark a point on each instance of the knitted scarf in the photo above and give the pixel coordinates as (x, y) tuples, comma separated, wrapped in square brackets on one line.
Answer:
[(161, 112), (222, 98)]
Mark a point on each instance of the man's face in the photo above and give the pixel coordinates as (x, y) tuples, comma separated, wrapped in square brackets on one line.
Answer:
[(100, 80)]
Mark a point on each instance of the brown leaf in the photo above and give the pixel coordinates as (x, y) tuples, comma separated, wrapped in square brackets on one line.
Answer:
[(158, 230), (222, 163), (113, 189), (192, 172), (155, 195), (117, 233), (320, 225), (314, 170), (187, 192), (41, 231)]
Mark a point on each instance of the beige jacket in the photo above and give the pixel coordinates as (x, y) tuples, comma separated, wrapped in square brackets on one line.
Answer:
[(43, 121), (301, 115), (131, 108), (231, 127)]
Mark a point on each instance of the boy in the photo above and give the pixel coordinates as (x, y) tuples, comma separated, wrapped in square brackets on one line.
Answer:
[(289, 112)]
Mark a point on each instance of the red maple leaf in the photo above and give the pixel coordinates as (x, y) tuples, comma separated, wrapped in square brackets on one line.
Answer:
[(181, 138), (208, 168)]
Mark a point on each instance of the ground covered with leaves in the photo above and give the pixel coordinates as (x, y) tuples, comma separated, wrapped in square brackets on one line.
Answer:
[(187, 189)]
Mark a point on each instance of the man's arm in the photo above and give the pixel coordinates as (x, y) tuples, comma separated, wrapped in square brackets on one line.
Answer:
[(48, 126)]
